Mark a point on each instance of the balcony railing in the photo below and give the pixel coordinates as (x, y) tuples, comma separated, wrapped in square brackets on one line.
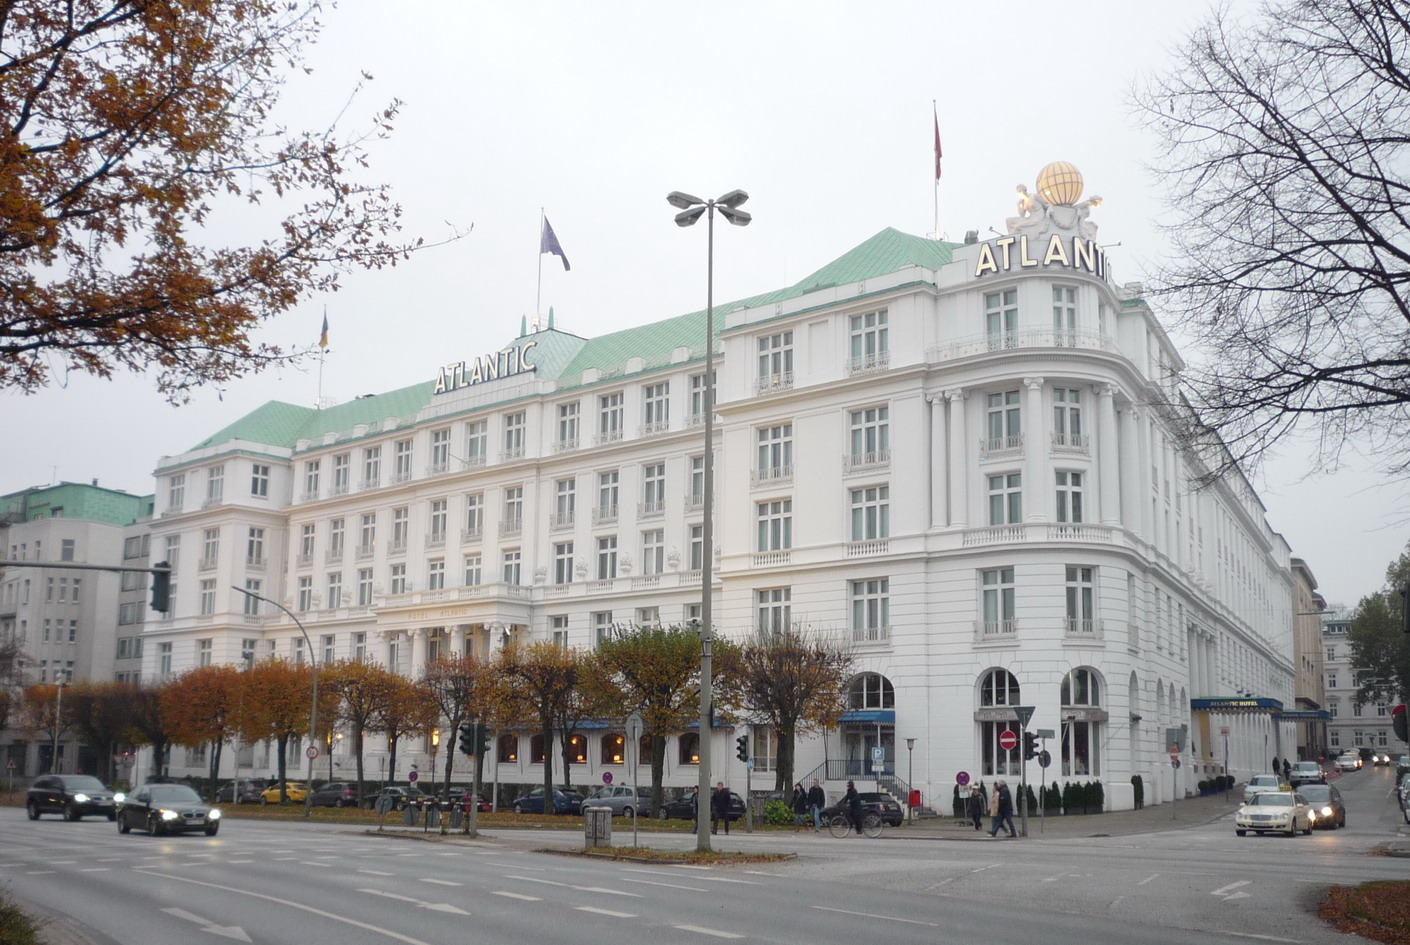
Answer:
[(207, 564), (1075, 531), (511, 526), (994, 447), (340, 488), (1083, 628), (438, 469), (255, 562), (606, 436), (511, 453), (869, 547), (333, 555), (875, 459), (655, 428), (397, 546), (471, 534), (1028, 338), (650, 509), (769, 559), (773, 383), (561, 520), (694, 501), (603, 514), (994, 535), (365, 551), (871, 634), (995, 631), (565, 446), (368, 484), (771, 474), (436, 540), (868, 364), (401, 475), (1071, 443)]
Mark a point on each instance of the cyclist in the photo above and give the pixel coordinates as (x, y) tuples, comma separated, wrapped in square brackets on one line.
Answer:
[(854, 807)]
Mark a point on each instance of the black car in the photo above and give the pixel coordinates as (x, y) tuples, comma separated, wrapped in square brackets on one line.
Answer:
[(683, 808), (1326, 804), (72, 795), (873, 802), (401, 797), (335, 794), (458, 796), (167, 808), (249, 792)]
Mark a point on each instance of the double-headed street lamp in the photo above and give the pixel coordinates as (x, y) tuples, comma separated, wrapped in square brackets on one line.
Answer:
[(691, 210)]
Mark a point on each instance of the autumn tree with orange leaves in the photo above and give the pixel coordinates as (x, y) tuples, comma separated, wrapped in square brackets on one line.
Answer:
[(144, 707), (455, 684), (363, 691), (407, 711), (199, 706), (135, 135), (276, 694), (99, 713)]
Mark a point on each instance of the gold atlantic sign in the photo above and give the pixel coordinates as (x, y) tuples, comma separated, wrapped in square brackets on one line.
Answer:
[(491, 367), (1022, 252)]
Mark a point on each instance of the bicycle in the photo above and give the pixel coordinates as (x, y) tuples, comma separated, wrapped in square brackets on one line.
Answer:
[(841, 825)]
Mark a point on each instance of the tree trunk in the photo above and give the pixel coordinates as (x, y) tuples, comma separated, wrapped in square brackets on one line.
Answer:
[(357, 750), (548, 806), (283, 745), (392, 760), (784, 763), (216, 746), (658, 772)]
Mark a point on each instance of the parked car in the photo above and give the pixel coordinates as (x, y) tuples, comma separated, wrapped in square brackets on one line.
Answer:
[(683, 808), (623, 799), (335, 794), (1402, 766), (873, 802), (564, 802), (1307, 772), (167, 808), (1260, 783), (1326, 804), (1275, 812), (1404, 796), (249, 792), (295, 791), (1348, 761), (72, 795), (401, 797), (457, 796)]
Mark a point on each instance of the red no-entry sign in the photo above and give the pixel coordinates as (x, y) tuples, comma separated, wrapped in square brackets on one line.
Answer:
[(1008, 740)]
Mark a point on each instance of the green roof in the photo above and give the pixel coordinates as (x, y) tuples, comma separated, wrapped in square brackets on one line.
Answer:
[(76, 500)]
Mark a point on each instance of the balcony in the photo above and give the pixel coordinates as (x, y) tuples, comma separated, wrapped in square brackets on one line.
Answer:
[(868, 548), (654, 509), (773, 383), (558, 521), (255, 562), (646, 582), (304, 560), (871, 634), (368, 485), (772, 559), (565, 446), (1049, 337), (867, 364), (771, 474), (365, 551), (1076, 531), (1082, 628), (397, 546), (996, 631), (655, 428), (1001, 447), (511, 453), (471, 534), (606, 436), (401, 475), (1071, 443), (604, 514), (333, 555), (438, 469), (309, 496), (695, 420), (995, 535), (436, 539), (212, 502), (512, 525), (207, 564), (695, 501), (474, 461), (340, 488), (865, 462)]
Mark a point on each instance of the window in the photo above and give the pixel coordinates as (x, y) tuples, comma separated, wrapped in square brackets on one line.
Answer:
[(359, 646), (559, 623), (472, 571), (653, 551), (696, 498), (609, 417), (304, 600), (1356, 709), (601, 627), (438, 518), (371, 467), (210, 548), (869, 348), (401, 529), (999, 688), (568, 426), (436, 574), (653, 494), (247, 653), (1006, 499), (477, 442), (871, 610), (998, 601), (698, 394), (871, 691), (440, 451), (254, 548), (164, 659), (614, 749), (607, 495), (474, 516), (1331, 680), (342, 473), (138, 546), (656, 407), (307, 534), (513, 510), (367, 534), (689, 748), (364, 587), (1001, 318), (775, 361), (514, 435), (327, 641), (871, 513), (1081, 600), (334, 590), (207, 598), (1332, 708), (511, 566), (259, 480), (176, 492), (697, 547), (775, 609), (397, 579), (1004, 423), (311, 471), (402, 456), (215, 485), (1069, 496), (296, 650), (1081, 738), (774, 453), (1067, 419), (1064, 316), (648, 616), (1331, 653), (775, 525), (870, 434), (607, 558), (508, 749), (563, 562), (565, 502)]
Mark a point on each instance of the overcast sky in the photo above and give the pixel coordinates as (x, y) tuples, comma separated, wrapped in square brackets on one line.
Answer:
[(596, 111)]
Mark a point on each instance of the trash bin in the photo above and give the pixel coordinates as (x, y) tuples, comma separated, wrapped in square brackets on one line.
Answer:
[(457, 817), (433, 815), (597, 827), (408, 815)]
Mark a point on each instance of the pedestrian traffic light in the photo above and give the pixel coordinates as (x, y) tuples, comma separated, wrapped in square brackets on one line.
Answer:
[(161, 587), (743, 747), (467, 737), (1030, 746)]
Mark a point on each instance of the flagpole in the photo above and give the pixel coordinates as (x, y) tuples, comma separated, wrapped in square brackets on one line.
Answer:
[(935, 111), (538, 293)]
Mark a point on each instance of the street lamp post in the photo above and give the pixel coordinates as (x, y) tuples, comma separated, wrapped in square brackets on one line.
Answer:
[(691, 208), (910, 776), (58, 724), (313, 708)]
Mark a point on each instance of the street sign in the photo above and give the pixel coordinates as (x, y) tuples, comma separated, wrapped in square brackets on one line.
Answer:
[(1024, 713), (412, 777), (634, 726), (1046, 733), (878, 753), (749, 765), (1008, 740), (311, 751), (1044, 759), (607, 777), (1224, 730), (10, 763), (962, 778), (1174, 753)]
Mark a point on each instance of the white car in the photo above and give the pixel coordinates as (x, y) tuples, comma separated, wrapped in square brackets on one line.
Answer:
[(1259, 783), (1348, 761), (1275, 812)]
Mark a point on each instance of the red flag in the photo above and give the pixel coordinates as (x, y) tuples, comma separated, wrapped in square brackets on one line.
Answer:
[(937, 146)]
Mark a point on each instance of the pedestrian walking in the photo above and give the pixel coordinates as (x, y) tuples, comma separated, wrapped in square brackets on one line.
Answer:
[(719, 808), (817, 800), (694, 799), (1002, 808), (853, 800), (977, 806), (1276, 767), (1287, 770), (800, 806)]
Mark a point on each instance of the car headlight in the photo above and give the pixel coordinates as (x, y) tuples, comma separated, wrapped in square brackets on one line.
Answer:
[(169, 815), (1311, 815), (119, 797), (81, 798), (214, 814), (1326, 812)]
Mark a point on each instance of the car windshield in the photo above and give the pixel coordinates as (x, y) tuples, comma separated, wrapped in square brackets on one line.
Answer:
[(1274, 800), (174, 792), (83, 782), (1317, 793), (1307, 766), (1263, 780)]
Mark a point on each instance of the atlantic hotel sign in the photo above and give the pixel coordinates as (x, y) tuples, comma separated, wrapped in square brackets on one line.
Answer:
[(1019, 252), (1052, 227), (491, 367)]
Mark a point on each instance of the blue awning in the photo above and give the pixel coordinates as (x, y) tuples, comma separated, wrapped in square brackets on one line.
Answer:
[(1233, 705), (875, 716)]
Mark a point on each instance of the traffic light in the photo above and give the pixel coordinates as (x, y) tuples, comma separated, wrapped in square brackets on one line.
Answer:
[(1030, 746), (467, 737), (482, 738), (161, 587), (1398, 722), (1405, 609), (742, 751)]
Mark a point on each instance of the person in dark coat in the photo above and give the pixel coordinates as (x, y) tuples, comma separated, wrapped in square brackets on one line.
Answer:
[(978, 807), (719, 807), (1287, 770), (800, 806), (1003, 810), (853, 800), (817, 800)]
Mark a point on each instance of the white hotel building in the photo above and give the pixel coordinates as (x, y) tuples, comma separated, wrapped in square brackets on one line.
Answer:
[(956, 455)]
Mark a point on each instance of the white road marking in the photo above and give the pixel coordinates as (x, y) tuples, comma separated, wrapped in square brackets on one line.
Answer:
[(226, 931), (704, 931), (1264, 938), (596, 889), (376, 873), (39, 872), (725, 879), (983, 868), (872, 915), (441, 882), (511, 895), (314, 863), (96, 869), (433, 906), (233, 862), (615, 915), (1227, 890), (652, 882), (1148, 879)]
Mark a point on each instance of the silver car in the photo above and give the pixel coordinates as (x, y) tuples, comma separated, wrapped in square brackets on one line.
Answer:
[(622, 799), (1260, 783)]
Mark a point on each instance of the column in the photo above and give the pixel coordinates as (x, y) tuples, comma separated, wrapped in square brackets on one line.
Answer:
[(1144, 524), (1108, 476), (958, 465), (418, 651), (1037, 480), (938, 478), (457, 640), (388, 640), (1126, 460)]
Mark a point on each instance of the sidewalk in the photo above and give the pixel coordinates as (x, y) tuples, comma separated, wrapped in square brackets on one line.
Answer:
[(1189, 812)]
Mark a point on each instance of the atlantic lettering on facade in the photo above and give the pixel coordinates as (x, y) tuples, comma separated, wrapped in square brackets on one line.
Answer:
[(1017, 252), (491, 367)]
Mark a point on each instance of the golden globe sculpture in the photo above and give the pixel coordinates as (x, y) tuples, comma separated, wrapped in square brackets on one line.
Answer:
[(1060, 183)]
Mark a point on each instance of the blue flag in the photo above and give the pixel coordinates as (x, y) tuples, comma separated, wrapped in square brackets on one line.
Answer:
[(548, 243)]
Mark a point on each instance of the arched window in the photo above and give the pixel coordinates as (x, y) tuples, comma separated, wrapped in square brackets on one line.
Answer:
[(997, 689), (871, 691), (614, 748), (689, 744), (536, 752), (577, 749), (508, 749), (1081, 696)]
